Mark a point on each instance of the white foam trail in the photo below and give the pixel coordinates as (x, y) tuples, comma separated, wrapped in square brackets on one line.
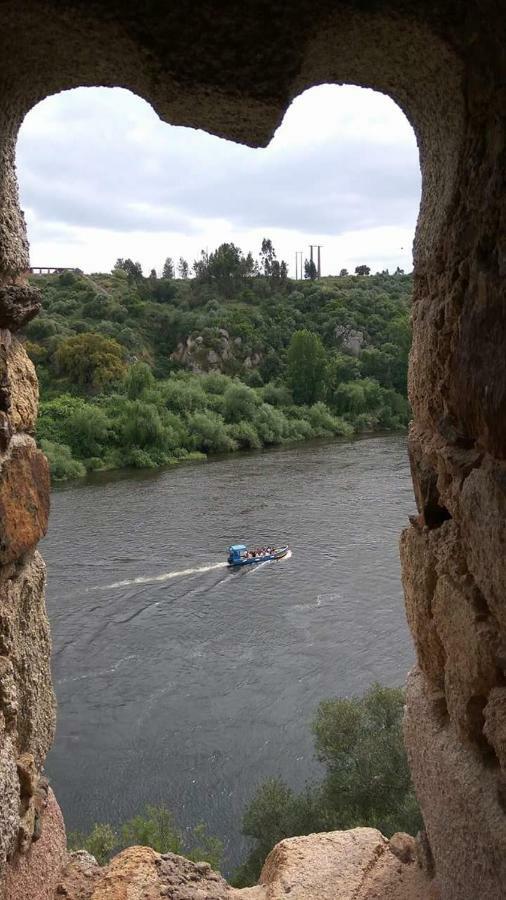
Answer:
[(149, 579)]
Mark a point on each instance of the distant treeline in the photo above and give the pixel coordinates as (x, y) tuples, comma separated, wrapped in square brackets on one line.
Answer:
[(145, 372)]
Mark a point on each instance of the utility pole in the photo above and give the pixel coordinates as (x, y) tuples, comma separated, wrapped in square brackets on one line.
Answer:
[(319, 262)]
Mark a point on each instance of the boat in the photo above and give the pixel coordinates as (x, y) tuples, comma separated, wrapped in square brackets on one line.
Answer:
[(239, 555)]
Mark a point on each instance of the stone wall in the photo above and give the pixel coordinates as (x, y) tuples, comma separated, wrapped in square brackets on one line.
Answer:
[(233, 69)]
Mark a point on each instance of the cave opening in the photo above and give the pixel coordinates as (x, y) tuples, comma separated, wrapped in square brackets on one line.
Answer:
[(104, 209)]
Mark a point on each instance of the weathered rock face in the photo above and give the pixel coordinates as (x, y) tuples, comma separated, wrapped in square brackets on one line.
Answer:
[(27, 709), (24, 499), (35, 874), (446, 68), (341, 865)]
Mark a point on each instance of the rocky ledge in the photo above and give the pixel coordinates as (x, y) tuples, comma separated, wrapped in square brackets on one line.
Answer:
[(342, 865)]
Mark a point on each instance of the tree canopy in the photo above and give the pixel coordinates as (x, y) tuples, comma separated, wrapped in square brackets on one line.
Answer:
[(307, 365)]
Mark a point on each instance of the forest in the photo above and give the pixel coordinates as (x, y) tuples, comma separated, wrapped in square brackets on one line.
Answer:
[(150, 371)]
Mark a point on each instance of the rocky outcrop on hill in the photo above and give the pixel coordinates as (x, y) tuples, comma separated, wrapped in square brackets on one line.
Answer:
[(217, 353), (342, 865)]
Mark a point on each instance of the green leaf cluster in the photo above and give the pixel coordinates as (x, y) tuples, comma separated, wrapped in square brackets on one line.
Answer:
[(154, 827), (367, 780)]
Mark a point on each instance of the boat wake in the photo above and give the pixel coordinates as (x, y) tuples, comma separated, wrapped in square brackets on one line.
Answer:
[(166, 576)]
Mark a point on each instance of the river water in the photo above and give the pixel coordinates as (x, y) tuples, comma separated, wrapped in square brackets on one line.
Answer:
[(181, 682)]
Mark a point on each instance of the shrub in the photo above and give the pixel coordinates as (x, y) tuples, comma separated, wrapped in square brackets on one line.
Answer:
[(209, 433), (61, 462), (91, 360), (270, 424), (240, 403), (306, 366), (139, 379), (276, 394), (154, 827), (245, 435), (367, 781)]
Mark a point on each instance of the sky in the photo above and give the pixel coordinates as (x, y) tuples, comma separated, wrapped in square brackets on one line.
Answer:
[(102, 177)]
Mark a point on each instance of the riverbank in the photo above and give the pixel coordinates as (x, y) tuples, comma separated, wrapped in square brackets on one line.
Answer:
[(144, 373), (151, 424)]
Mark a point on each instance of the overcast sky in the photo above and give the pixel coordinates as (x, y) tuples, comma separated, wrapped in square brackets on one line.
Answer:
[(101, 176)]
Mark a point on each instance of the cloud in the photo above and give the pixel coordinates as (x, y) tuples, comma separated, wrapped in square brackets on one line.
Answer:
[(98, 165)]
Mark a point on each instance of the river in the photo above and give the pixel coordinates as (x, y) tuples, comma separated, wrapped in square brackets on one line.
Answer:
[(181, 682)]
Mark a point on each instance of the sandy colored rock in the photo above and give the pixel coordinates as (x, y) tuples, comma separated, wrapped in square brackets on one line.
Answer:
[(403, 846), (24, 499), (465, 822), (471, 641), (340, 865), (34, 876), (25, 643), (419, 580), (139, 873), (27, 712), (20, 382)]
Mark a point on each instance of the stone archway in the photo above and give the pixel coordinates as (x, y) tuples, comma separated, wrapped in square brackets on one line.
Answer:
[(233, 71)]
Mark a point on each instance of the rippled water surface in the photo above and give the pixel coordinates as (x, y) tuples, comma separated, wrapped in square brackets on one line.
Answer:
[(181, 682)]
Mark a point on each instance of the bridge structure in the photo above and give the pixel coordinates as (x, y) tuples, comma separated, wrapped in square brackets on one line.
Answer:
[(51, 270)]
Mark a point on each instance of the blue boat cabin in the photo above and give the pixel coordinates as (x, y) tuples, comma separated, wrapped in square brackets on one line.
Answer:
[(236, 553)]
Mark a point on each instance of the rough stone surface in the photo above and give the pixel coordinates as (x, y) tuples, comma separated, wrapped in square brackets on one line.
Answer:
[(27, 710), (24, 499), (20, 386), (18, 304), (34, 876), (459, 798), (341, 865), (419, 581)]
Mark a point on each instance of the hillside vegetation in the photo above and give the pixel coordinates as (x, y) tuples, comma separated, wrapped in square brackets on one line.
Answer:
[(146, 372)]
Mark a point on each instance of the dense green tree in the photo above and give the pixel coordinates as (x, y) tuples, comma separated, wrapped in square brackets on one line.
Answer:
[(139, 380), (267, 257), (132, 269), (182, 268), (307, 364), (343, 273), (91, 361), (168, 268), (362, 270), (310, 270), (367, 781), (225, 267)]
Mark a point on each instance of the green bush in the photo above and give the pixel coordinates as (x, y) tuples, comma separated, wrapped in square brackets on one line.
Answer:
[(61, 462), (209, 433), (245, 435), (240, 403), (367, 781), (154, 827)]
